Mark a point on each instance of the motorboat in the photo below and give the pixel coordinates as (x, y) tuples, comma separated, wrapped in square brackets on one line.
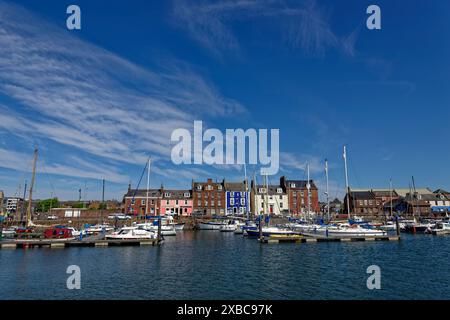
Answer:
[(166, 230), (390, 226), (76, 232), (9, 232), (417, 227), (99, 228), (59, 233), (269, 231), (228, 228), (210, 225), (344, 231), (440, 228), (131, 233), (178, 226)]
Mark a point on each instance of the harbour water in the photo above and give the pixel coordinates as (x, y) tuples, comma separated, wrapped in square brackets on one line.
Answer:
[(215, 265)]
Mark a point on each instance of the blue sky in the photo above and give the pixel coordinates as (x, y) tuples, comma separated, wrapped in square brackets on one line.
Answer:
[(98, 101)]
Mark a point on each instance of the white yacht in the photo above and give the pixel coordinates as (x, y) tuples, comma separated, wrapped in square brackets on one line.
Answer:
[(131, 233), (210, 225), (166, 230), (98, 228), (344, 231)]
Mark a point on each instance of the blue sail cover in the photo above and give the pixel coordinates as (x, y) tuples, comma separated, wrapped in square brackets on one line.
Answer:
[(440, 208)]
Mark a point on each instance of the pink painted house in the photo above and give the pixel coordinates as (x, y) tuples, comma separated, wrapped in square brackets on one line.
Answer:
[(176, 202)]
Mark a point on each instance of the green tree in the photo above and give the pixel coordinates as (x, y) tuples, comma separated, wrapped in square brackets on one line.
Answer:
[(46, 204)]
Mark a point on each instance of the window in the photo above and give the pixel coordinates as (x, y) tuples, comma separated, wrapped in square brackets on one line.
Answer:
[(292, 185), (199, 203), (143, 202), (187, 194), (281, 205), (218, 203), (167, 194), (132, 201), (242, 201), (167, 202), (219, 187), (176, 202), (232, 194), (279, 190), (281, 197), (199, 187), (262, 190), (209, 187), (231, 201), (185, 202)]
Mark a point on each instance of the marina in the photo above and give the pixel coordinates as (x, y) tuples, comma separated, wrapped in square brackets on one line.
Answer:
[(209, 265)]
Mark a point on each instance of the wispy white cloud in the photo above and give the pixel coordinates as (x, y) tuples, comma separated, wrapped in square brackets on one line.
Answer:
[(81, 96), (78, 167), (304, 25)]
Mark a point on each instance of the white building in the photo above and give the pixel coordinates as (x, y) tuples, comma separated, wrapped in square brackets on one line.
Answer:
[(277, 200)]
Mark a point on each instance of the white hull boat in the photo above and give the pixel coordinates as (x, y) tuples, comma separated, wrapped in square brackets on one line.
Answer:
[(177, 226), (211, 225), (228, 228), (344, 232), (166, 230), (131, 233), (270, 231), (98, 229)]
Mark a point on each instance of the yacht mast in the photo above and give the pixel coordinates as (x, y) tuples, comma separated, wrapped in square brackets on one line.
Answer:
[(346, 182), (246, 190), (390, 194), (327, 193), (148, 187), (308, 188), (30, 198)]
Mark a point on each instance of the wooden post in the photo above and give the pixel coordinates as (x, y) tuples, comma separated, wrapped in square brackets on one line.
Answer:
[(397, 225), (159, 228)]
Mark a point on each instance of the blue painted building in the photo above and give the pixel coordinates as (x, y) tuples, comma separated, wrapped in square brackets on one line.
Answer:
[(237, 199)]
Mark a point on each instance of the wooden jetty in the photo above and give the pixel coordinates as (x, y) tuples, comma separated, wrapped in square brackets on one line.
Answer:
[(303, 239), (37, 243)]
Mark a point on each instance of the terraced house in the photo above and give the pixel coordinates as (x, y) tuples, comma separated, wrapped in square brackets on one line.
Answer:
[(135, 201), (363, 203), (275, 198), (237, 198), (209, 198), (297, 193), (176, 202)]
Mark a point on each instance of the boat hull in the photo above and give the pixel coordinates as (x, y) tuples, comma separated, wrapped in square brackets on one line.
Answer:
[(209, 226)]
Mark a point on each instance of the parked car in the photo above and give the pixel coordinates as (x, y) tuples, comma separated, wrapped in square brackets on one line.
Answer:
[(119, 216), (52, 217)]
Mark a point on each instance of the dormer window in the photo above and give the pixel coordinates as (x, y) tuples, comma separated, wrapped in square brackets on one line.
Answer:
[(219, 187), (187, 194), (209, 187), (199, 187), (262, 190), (167, 194), (292, 185), (279, 190)]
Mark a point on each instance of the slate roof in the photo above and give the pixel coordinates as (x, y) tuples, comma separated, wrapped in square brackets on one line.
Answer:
[(271, 191)]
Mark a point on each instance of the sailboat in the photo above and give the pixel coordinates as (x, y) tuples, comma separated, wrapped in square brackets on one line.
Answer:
[(344, 230), (268, 230), (414, 226)]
